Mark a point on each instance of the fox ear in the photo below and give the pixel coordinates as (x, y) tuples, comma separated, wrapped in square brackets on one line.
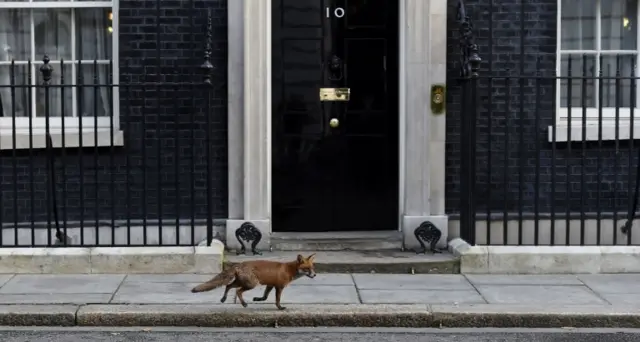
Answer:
[(311, 257), (300, 258)]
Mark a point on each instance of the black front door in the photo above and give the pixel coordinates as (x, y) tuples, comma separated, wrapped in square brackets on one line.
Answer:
[(335, 163)]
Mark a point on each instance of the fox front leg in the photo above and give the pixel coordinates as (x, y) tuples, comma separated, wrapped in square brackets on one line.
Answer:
[(278, 297), (264, 296)]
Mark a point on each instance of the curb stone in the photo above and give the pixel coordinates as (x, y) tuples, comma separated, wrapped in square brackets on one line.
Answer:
[(262, 315), (531, 316), (349, 315), (38, 315)]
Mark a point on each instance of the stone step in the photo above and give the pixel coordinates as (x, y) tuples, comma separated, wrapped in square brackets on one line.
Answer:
[(383, 261), (337, 241)]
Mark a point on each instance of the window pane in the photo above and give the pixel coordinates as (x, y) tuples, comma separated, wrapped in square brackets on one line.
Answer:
[(14, 35), (619, 92), (619, 20), (578, 25), (52, 33), (576, 83), (55, 105), (17, 101), (95, 100), (93, 34)]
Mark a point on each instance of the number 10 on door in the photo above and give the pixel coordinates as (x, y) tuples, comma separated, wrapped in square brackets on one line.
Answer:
[(338, 12)]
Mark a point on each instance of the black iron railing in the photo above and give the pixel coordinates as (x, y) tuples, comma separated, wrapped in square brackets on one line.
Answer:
[(563, 171), (545, 158), (88, 161)]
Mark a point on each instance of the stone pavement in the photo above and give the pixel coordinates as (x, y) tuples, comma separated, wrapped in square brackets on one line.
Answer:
[(605, 290), (419, 300)]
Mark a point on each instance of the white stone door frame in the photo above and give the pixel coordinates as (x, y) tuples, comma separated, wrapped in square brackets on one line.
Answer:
[(423, 46)]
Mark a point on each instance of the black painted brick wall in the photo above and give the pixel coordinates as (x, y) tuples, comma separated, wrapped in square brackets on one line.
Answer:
[(163, 116), (500, 37)]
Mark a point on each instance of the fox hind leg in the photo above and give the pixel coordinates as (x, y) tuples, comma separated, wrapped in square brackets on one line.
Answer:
[(228, 288), (247, 282), (264, 296), (240, 291)]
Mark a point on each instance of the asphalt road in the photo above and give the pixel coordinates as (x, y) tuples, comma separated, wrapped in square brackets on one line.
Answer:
[(8, 334)]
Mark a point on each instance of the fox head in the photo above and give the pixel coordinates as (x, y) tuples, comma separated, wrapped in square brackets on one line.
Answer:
[(305, 266)]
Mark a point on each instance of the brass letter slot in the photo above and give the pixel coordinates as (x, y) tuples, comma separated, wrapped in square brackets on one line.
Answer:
[(335, 94)]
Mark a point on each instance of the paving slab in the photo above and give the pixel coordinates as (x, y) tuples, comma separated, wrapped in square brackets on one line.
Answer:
[(309, 294), (166, 293), (326, 279), (4, 278), (420, 297), (523, 279), (540, 294), (58, 283), (412, 281), (168, 278), (622, 298), (57, 298), (320, 279), (612, 283)]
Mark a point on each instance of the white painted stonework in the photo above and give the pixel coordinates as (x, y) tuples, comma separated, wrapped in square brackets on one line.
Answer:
[(112, 260), (422, 135), (545, 259)]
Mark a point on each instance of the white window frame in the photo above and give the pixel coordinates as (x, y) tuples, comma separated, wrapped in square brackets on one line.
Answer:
[(73, 133), (592, 123)]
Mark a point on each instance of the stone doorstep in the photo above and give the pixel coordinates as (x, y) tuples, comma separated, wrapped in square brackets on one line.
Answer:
[(109, 260), (545, 259), (360, 315), (207, 260), (382, 261)]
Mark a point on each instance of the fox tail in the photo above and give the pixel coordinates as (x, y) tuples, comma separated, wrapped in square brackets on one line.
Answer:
[(224, 278)]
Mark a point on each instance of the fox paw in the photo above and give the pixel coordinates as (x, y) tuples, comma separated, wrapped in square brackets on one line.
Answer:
[(223, 299), (281, 308), (244, 304), (258, 299)]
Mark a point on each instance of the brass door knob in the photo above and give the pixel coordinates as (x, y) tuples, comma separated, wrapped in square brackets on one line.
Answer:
[(334, 123)]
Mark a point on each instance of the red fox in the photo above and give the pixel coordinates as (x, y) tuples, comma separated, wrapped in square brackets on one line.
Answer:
[(249, 274)]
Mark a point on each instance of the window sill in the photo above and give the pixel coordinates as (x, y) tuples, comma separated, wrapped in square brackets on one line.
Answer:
[(72, 139), (592, 132)]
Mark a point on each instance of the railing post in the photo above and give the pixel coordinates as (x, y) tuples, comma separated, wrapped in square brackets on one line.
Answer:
[(626, 228), (207, 68), (469, 66), (47, 70)]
